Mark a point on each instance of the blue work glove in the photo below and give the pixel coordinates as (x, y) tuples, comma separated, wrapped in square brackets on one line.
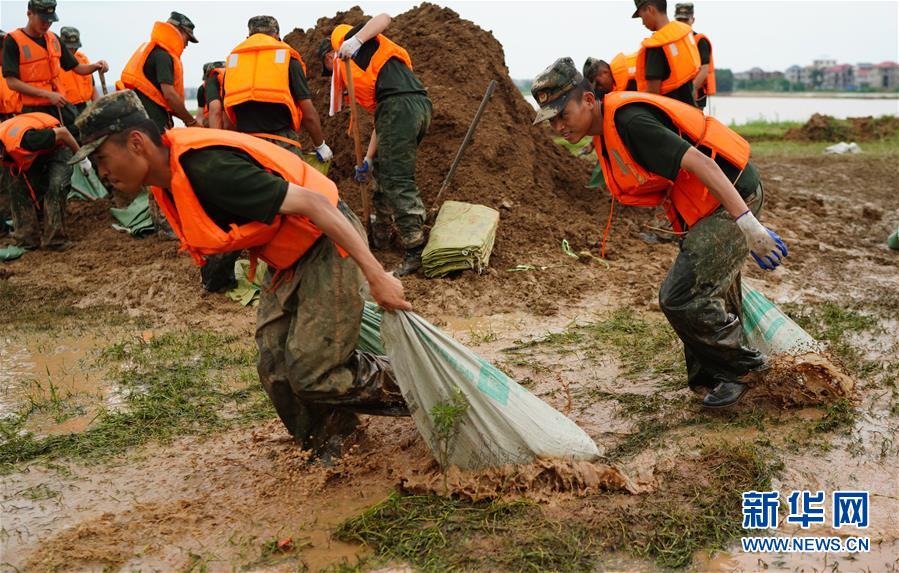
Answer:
[(362, 172), (767, 248)]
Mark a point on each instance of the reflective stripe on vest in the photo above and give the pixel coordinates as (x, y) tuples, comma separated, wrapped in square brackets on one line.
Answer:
[(624, 69), (14, 129), (220, 74), (280, 244), (38, 66), (710, 87), (77, 88), (677, 42), (686, 198), (167, 37), (365, 81), (259, 70)]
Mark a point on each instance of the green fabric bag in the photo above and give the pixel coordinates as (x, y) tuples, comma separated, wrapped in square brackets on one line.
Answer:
[(86, 186), (135, 218), (770, 330), (11, 253), (247, 292), (462, 238)]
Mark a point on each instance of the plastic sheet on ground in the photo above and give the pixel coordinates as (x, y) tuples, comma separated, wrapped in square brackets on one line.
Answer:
[(86, 186), (772, 331), (11, 253), (135, 218), (462, 238), (843, 148), (503, 424)]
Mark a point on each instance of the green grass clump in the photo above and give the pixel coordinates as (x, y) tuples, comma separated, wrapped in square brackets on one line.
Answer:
[(835, 324), (763, 130), (175, 384)]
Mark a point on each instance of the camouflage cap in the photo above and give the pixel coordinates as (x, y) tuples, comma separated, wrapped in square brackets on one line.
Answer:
[(264, 25), (46, 9), (209, 66), (71, 37), (110, 114), (179, 20), (591, 68), (683, 11), (324, 47), (552, 88), (639, 4)]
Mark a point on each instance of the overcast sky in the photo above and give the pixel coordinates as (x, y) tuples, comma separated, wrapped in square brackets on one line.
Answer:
[(769, 34)]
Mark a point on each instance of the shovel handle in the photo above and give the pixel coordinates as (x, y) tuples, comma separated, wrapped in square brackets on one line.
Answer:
[(357, 140), (103, 82)]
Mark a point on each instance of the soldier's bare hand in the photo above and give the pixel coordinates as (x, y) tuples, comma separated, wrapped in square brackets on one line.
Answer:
[(102, 66), (57, 99), (387, 290)]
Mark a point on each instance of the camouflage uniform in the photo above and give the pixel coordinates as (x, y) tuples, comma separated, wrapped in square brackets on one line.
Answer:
[(50, 176), (307, 329), (401, 122)]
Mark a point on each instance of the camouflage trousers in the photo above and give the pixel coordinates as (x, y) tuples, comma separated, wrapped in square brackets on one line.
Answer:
[(401, 122), (702, 299), (307, 328), (42, 224)]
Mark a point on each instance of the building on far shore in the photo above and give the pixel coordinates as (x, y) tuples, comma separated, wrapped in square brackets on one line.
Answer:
[(824, 75)]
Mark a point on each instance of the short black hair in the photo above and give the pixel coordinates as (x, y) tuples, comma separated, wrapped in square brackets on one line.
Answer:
[(144, 125)]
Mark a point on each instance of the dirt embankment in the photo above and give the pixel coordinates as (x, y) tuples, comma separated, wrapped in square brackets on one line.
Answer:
[(827, 128)]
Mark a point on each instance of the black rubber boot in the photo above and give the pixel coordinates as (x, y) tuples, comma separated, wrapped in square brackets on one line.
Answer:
[(411, 262), (725, 394)]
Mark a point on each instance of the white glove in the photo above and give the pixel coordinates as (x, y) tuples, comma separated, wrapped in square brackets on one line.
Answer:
[(85, 165), (766, 247), (324, 153), (349, 48)]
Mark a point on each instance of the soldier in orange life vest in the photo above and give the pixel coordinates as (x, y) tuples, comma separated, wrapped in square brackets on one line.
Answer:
[(224, 191), (656, 151), (266, 93), (669, 59), (210, 112), (386, 86), (31, 148), (10, 104), (78, 89), (33, 59), (704, 82)]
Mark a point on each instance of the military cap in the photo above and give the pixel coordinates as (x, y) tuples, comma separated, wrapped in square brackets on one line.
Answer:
[(71, 37), (182, 22), (554, 86), (46, 9), (683, 11), (264, 25), (110, 114), (324, 47), (591, 68), (209, 66)]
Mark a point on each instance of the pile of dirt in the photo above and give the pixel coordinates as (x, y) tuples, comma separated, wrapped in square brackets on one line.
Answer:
[(806, 380), (827, 128), (510, 165)]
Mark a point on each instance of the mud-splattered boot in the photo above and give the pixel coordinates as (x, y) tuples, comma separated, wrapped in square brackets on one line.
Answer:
[(411, 262), (380, 235)]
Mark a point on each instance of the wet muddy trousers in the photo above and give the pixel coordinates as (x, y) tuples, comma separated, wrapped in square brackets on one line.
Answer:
[(50, 177), (702, 300), (307, 330)]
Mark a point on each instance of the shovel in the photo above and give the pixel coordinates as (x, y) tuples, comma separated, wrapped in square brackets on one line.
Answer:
[(465, 141)]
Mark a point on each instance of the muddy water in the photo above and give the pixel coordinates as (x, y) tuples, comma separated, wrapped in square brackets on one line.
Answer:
[(52, 375)]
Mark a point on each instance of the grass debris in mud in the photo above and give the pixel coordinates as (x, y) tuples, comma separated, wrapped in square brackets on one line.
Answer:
[(700, 510)]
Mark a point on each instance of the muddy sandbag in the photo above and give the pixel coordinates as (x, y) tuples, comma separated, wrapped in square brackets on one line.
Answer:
[(893, 241), (370, 333), (135, 218), (500, 421), (800, 373), (87, 186), (462, 238)]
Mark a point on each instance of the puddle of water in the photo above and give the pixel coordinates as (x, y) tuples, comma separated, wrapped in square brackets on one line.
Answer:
[(52, 377)]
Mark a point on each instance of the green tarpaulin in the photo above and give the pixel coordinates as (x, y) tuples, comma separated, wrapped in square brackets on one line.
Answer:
[(462, 238), (86, 186), (247, 292), (11, 253), (135, 218)]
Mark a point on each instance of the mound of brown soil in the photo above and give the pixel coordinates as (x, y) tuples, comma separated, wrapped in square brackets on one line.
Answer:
[(826, 128), (510, 164)]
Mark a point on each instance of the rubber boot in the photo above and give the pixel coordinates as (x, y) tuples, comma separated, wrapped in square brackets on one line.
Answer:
[(411, 262), (380, 235)]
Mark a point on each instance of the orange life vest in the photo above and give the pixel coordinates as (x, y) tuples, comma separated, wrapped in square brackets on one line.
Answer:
[(10, 100), (169, 39), (77, 88), (365, 81), (676, 40), (258, 70), (220, 74), (710, 86), (686, 200), (280, 244), (12, 131), (624, 69), (38, 66)]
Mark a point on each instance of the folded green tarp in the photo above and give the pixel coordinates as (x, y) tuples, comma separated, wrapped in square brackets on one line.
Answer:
[(11, 253), (247, 292), (135, 218), (86, 186), (462, 238)]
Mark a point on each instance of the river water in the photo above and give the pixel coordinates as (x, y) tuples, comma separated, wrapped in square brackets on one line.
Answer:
[(743, 109)]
